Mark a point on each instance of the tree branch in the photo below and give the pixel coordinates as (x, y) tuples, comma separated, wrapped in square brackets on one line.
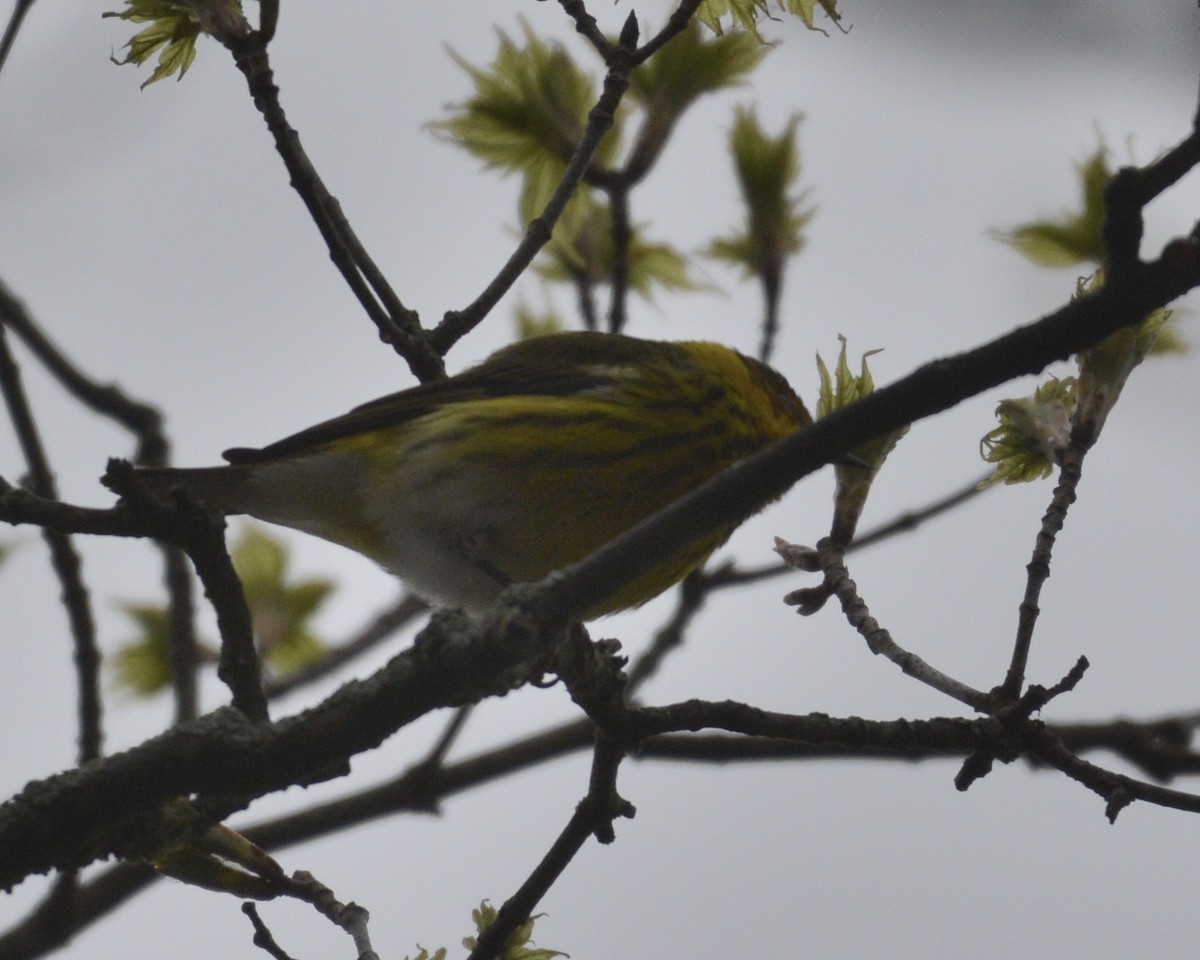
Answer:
[(63, 557), (397, 324), (933, 388)]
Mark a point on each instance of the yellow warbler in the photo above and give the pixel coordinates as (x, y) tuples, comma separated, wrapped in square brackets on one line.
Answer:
[(519, 466)]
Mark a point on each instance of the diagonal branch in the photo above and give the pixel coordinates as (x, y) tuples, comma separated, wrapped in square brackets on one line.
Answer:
[(933, 388), (397, 324), (457, 323)]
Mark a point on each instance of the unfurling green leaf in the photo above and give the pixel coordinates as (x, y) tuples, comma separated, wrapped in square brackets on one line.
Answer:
[(582, 251), (519, 945), (691, 65), (220, 859), (1033, 432), (143, 665), (174, 27), (767, 169), (1072, 238), (527, 115), (746, 13), (838, 390), (281, 610), (423, 954)]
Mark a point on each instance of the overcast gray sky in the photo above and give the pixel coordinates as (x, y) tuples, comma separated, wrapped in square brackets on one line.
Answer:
[(155, 236)]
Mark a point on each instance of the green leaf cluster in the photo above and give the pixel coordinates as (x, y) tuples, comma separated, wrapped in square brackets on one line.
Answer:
[(746, 13), (520, 946), (1033, 431), (767, 169), (687, 68), (172, 34), (528, 113), (526, 116), (280, 609), (1073, 237), (839, 389)]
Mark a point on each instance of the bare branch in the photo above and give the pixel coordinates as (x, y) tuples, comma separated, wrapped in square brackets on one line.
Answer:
[(16, 18), (63, 556), (397, 324), (593, 816), (1038, 568), (141, 419)]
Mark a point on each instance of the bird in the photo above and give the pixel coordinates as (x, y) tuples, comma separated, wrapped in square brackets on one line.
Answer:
[(518, 466)]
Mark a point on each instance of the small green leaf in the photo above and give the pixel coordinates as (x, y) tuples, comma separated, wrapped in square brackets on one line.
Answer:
[(745, 13), (423, 954), (767, 169), (526, 116), (582, 250), (281, 609), (174, 27), (1032, 433), (143, 665), (1074, 237), (519, 946), (691, 65), (854, 480)]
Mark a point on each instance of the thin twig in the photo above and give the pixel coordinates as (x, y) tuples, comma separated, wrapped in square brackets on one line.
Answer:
[(202, 534), (349, 916), (772, 287), (730, 575), (181, 615), (397, 324), (676, 24), (693, 591), (145, 423), (63, 557), (585, 293), (622, 237), (593, 816), (879, 640), (1038, 568), (586, 25), (457, 323), (141, 419), (937, 386), (912, 519), (20, 9), (263, 938), (268, 19), (1158, 746)]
